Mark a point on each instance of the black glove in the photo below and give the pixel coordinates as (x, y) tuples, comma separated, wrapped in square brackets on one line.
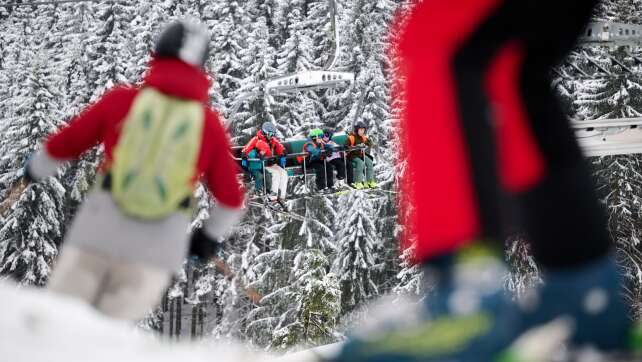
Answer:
[(203, 247)]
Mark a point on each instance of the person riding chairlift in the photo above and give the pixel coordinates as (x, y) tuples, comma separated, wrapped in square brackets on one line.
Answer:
[(267, 147), (316, 149), (360, 161), (334, 159)]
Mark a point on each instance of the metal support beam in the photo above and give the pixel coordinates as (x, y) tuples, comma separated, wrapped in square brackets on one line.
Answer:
[(607, 137)]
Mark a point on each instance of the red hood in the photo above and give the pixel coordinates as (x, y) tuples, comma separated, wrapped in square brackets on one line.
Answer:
[(261, 136), (177, 78)]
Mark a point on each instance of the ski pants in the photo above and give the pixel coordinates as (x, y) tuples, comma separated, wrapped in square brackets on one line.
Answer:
[(338, 165), (122, 290), (279, 177), (324, 177), (363, 169), (258, 180), (486, 142), (349, 172)]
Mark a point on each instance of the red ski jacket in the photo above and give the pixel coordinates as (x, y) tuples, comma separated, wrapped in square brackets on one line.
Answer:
[(263, 146), (101, 123)]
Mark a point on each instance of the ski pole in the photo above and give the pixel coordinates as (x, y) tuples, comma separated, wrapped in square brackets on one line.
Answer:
[(365, 167), (305, 172), (345, 165), (325, 170), (264, 178)]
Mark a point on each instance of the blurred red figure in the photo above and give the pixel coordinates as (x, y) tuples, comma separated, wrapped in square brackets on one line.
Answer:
[(489, 151)]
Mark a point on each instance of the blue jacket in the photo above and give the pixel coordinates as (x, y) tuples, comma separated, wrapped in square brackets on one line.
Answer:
[(314, 150)]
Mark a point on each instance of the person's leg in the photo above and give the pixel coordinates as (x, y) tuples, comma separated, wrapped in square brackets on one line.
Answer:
[(446, 52), (542, 165), (340, 167), (369, 170), (358, 165), (283, 183), (445, 55), (132, 290), (319, 173), (567, 228), (329, 173), (349, 171), (273, 174), (78, 273), (258, 180)]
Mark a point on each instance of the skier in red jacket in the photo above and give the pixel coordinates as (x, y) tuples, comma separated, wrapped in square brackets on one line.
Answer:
[(159, 140), (479, 109), (268, 147)]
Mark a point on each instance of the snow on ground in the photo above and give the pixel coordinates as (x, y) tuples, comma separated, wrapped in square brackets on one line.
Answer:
[(37, 326)]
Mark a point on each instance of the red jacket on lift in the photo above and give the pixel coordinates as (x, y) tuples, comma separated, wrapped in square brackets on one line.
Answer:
[(102, 123), (266, 148)]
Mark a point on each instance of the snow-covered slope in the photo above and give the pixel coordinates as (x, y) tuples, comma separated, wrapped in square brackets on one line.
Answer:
[(37, 326)]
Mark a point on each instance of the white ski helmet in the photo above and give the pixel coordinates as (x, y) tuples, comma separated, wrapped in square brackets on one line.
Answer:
[(186, 40), (268, 129)]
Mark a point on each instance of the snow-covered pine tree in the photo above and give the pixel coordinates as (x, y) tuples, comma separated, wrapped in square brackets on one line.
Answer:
[(623, 11), (620, 186), (316, 304), (524, 272), (616, 96), (228, 23), (32, 229), (411, 280), (251, 104), (110, 55), (357, 241)]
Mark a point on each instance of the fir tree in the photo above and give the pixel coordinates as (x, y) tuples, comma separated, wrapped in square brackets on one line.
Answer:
[(356, 245), (33, 227), (620, 186)]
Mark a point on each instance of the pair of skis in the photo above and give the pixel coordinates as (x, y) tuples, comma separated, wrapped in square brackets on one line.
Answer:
[(377, 193), (275, 208)]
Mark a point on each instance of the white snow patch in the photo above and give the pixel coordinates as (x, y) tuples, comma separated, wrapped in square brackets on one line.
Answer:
[(38, 326)]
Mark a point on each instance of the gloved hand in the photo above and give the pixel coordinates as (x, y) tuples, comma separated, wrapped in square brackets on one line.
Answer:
[(203, 247), (282, 161), (244, 161)]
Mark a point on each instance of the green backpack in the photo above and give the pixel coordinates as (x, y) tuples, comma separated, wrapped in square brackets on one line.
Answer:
[(156, 155)]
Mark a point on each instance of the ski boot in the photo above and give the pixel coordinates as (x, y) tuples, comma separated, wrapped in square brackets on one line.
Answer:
[(372, 184), (271, 200), (467, 316), (282, 204), (340, 185), (589, 296), (359, 185)]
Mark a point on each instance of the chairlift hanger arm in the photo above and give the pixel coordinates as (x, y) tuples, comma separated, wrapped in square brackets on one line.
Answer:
[(335, 33)]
